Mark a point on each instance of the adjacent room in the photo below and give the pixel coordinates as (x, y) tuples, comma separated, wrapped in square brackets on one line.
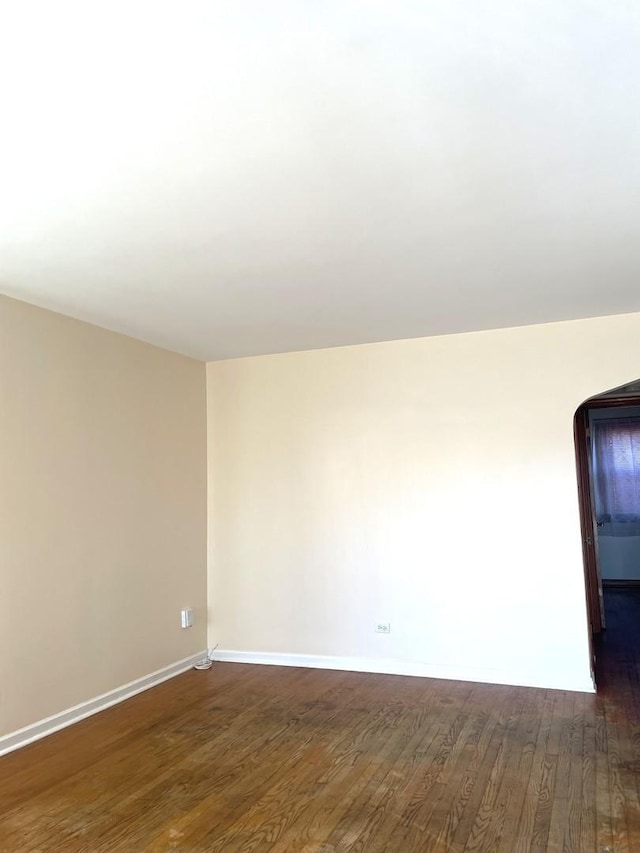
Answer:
[(319, 427), (613, 501)]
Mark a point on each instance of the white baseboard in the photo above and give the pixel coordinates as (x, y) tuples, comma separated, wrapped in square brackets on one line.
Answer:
[(425, 670), (42, 728)]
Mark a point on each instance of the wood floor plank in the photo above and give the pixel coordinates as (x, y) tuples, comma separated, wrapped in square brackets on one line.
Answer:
[(362, 812), (524, 789), (456, 749), (524, 834), (573, 839), (337, 798), (524, 764), (450, 790), (617, 787), (604, 820), (255, 767), (259, 821), (387, 791), (559, 805), (588, 816), (485, 775), (491, 810), (252, 759), (436, 815), (459, 802)]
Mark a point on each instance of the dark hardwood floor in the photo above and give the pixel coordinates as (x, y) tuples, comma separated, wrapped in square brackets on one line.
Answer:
[(248, 758)]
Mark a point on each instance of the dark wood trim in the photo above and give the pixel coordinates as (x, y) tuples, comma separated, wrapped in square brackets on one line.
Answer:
[(587, 522), (611, 402)]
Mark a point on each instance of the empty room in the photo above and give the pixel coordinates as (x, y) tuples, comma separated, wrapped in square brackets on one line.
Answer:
[(320, 427)]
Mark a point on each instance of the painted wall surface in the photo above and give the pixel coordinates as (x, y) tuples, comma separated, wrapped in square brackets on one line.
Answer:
[(414, 482), (102, 511), (618, 556)]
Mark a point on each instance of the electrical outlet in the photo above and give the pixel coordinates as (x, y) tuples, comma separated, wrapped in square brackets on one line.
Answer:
[(383, 627), (186, 618)]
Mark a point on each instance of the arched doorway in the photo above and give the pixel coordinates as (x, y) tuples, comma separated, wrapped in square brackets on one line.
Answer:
[(597, 423)]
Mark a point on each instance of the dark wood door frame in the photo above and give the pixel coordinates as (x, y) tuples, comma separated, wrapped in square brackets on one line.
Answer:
[(587, 520), (587, 529)]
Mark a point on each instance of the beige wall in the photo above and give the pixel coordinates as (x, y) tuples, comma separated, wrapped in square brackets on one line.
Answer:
[(430, 483), (102, 511)]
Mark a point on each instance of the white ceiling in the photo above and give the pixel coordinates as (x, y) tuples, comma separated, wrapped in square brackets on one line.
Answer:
[(234, 177)]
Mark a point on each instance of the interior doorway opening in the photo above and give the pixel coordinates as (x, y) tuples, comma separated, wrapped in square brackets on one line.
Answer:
[(607, 441)]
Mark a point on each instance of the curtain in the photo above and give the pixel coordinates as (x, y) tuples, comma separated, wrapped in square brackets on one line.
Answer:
[(616, 468)]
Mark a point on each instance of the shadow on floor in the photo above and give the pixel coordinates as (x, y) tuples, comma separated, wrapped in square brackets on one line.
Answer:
[(618, 647)]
